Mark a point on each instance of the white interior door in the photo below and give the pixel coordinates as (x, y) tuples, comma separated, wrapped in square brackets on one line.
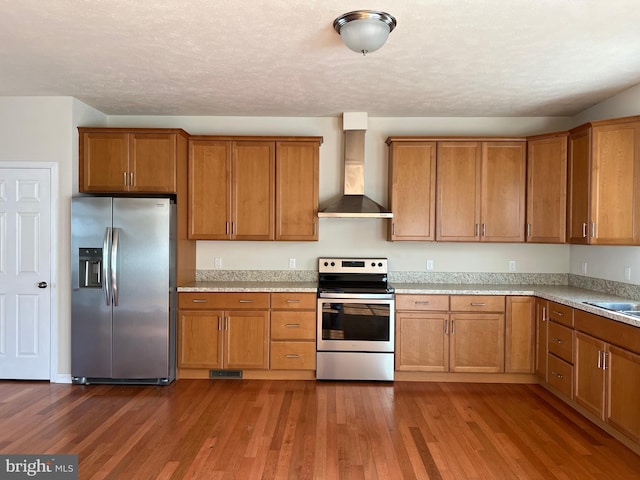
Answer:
[(25, 273)]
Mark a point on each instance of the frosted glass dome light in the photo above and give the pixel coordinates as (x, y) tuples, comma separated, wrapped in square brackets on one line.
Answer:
[(364, 31)]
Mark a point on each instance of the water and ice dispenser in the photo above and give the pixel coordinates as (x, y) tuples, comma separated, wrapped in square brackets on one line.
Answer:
[(90, 268)]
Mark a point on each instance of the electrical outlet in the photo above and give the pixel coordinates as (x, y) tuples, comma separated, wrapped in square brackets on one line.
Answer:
[(512, 265), (627, 273), (292, 263), (583, 268), (429, 264), (217, 262)]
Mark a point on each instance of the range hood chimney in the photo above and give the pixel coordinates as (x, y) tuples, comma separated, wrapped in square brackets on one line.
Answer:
[(354, 203)]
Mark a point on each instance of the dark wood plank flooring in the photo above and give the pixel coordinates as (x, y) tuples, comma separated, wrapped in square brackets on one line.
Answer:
[(252, 429)]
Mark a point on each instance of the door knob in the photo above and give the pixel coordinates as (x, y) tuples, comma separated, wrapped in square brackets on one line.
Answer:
[(42, 285)]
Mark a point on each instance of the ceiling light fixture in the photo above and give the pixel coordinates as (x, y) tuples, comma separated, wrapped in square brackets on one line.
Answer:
[(364, 31)]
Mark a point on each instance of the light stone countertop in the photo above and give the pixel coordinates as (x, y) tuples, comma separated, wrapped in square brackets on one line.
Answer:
[(250, 286), (566, 295)]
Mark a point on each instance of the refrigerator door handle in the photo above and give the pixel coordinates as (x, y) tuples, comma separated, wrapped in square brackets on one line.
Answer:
[(106, 247), (114, 266)]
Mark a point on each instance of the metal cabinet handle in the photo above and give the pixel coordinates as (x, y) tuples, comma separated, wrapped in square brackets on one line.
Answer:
[(477, 229), (528, 229), (584, 230), (315, 229), (219, 323), (560, 314), (556, 374), (453, 328), (605, 360), (292, 325), (393, 229), (124, 178), (477, 304), (293, 301), (422, 303), (593, 230), (544, 314), (446, 327), (198, 300), (484, 229), (600, 359), (246, 301), (292, 355), (131, 179)]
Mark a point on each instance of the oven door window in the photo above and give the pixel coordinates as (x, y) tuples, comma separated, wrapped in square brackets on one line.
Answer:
[(356, 321)]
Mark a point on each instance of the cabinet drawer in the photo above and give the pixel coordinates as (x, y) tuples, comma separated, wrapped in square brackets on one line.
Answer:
[(223, 301), (477, 303), (560, 341), (438, 303), (293, 325), (561, 314), (293, 301), (293, 355), (560, 375)]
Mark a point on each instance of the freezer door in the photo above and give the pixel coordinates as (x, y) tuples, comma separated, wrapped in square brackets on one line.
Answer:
[(141, 259), (90, 309)]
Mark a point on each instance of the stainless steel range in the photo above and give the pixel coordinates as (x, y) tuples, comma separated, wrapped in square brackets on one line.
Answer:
[(356, 326)]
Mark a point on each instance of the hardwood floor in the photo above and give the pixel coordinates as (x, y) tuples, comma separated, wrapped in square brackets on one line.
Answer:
[(251, 429)]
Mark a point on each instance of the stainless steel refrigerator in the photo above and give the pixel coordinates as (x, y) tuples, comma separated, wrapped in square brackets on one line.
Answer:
[(123, 315)]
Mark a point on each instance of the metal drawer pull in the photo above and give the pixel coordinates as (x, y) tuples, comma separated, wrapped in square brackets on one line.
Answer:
[(246, 301), (293, 301), (560, 314), (556, 374), (557, 340), (600, 359), (477, 304), (198, 300), (423, 303), (292, 325), (292, 355)]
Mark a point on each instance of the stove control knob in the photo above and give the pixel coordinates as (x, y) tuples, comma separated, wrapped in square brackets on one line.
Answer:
[(380, 264), (373, 264), (326, 264), (333, 264)]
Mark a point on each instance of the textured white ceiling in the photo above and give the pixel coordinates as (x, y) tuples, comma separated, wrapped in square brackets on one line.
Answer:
[(283, 58)]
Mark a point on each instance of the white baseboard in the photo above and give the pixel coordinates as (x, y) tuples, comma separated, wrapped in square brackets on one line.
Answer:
[(62, 378)]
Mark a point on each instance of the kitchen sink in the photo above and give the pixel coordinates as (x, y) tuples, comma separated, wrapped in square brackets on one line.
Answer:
[(627, 308)]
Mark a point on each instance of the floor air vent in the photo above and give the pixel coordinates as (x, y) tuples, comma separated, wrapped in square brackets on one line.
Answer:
[(225, 373)]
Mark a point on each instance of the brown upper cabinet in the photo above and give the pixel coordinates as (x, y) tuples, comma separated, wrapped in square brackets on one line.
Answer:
[(547, 188), (412, 190), (234, 183), (297, 180), (480, 189), (114, 160), (604, 183)]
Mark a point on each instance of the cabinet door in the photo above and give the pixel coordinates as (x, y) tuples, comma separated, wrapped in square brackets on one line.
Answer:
[(253, 190), (199, 339), (422, 342), (503, 191), (412, 190), (152, 162), (209, 190), (297, 190), (477, 342), (615, 185), (589, 375), (578, 186), (623, 391), (519, 335), (547, 190), (104, 162), (458, 167), (246, 343), (542, 307)]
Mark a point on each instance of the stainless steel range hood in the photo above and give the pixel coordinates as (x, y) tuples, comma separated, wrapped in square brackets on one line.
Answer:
[(354, 203)]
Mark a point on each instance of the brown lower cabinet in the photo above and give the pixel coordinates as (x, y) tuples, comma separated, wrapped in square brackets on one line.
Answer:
[(607, 377), (223, 330), (461, 333), (246, 331)]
